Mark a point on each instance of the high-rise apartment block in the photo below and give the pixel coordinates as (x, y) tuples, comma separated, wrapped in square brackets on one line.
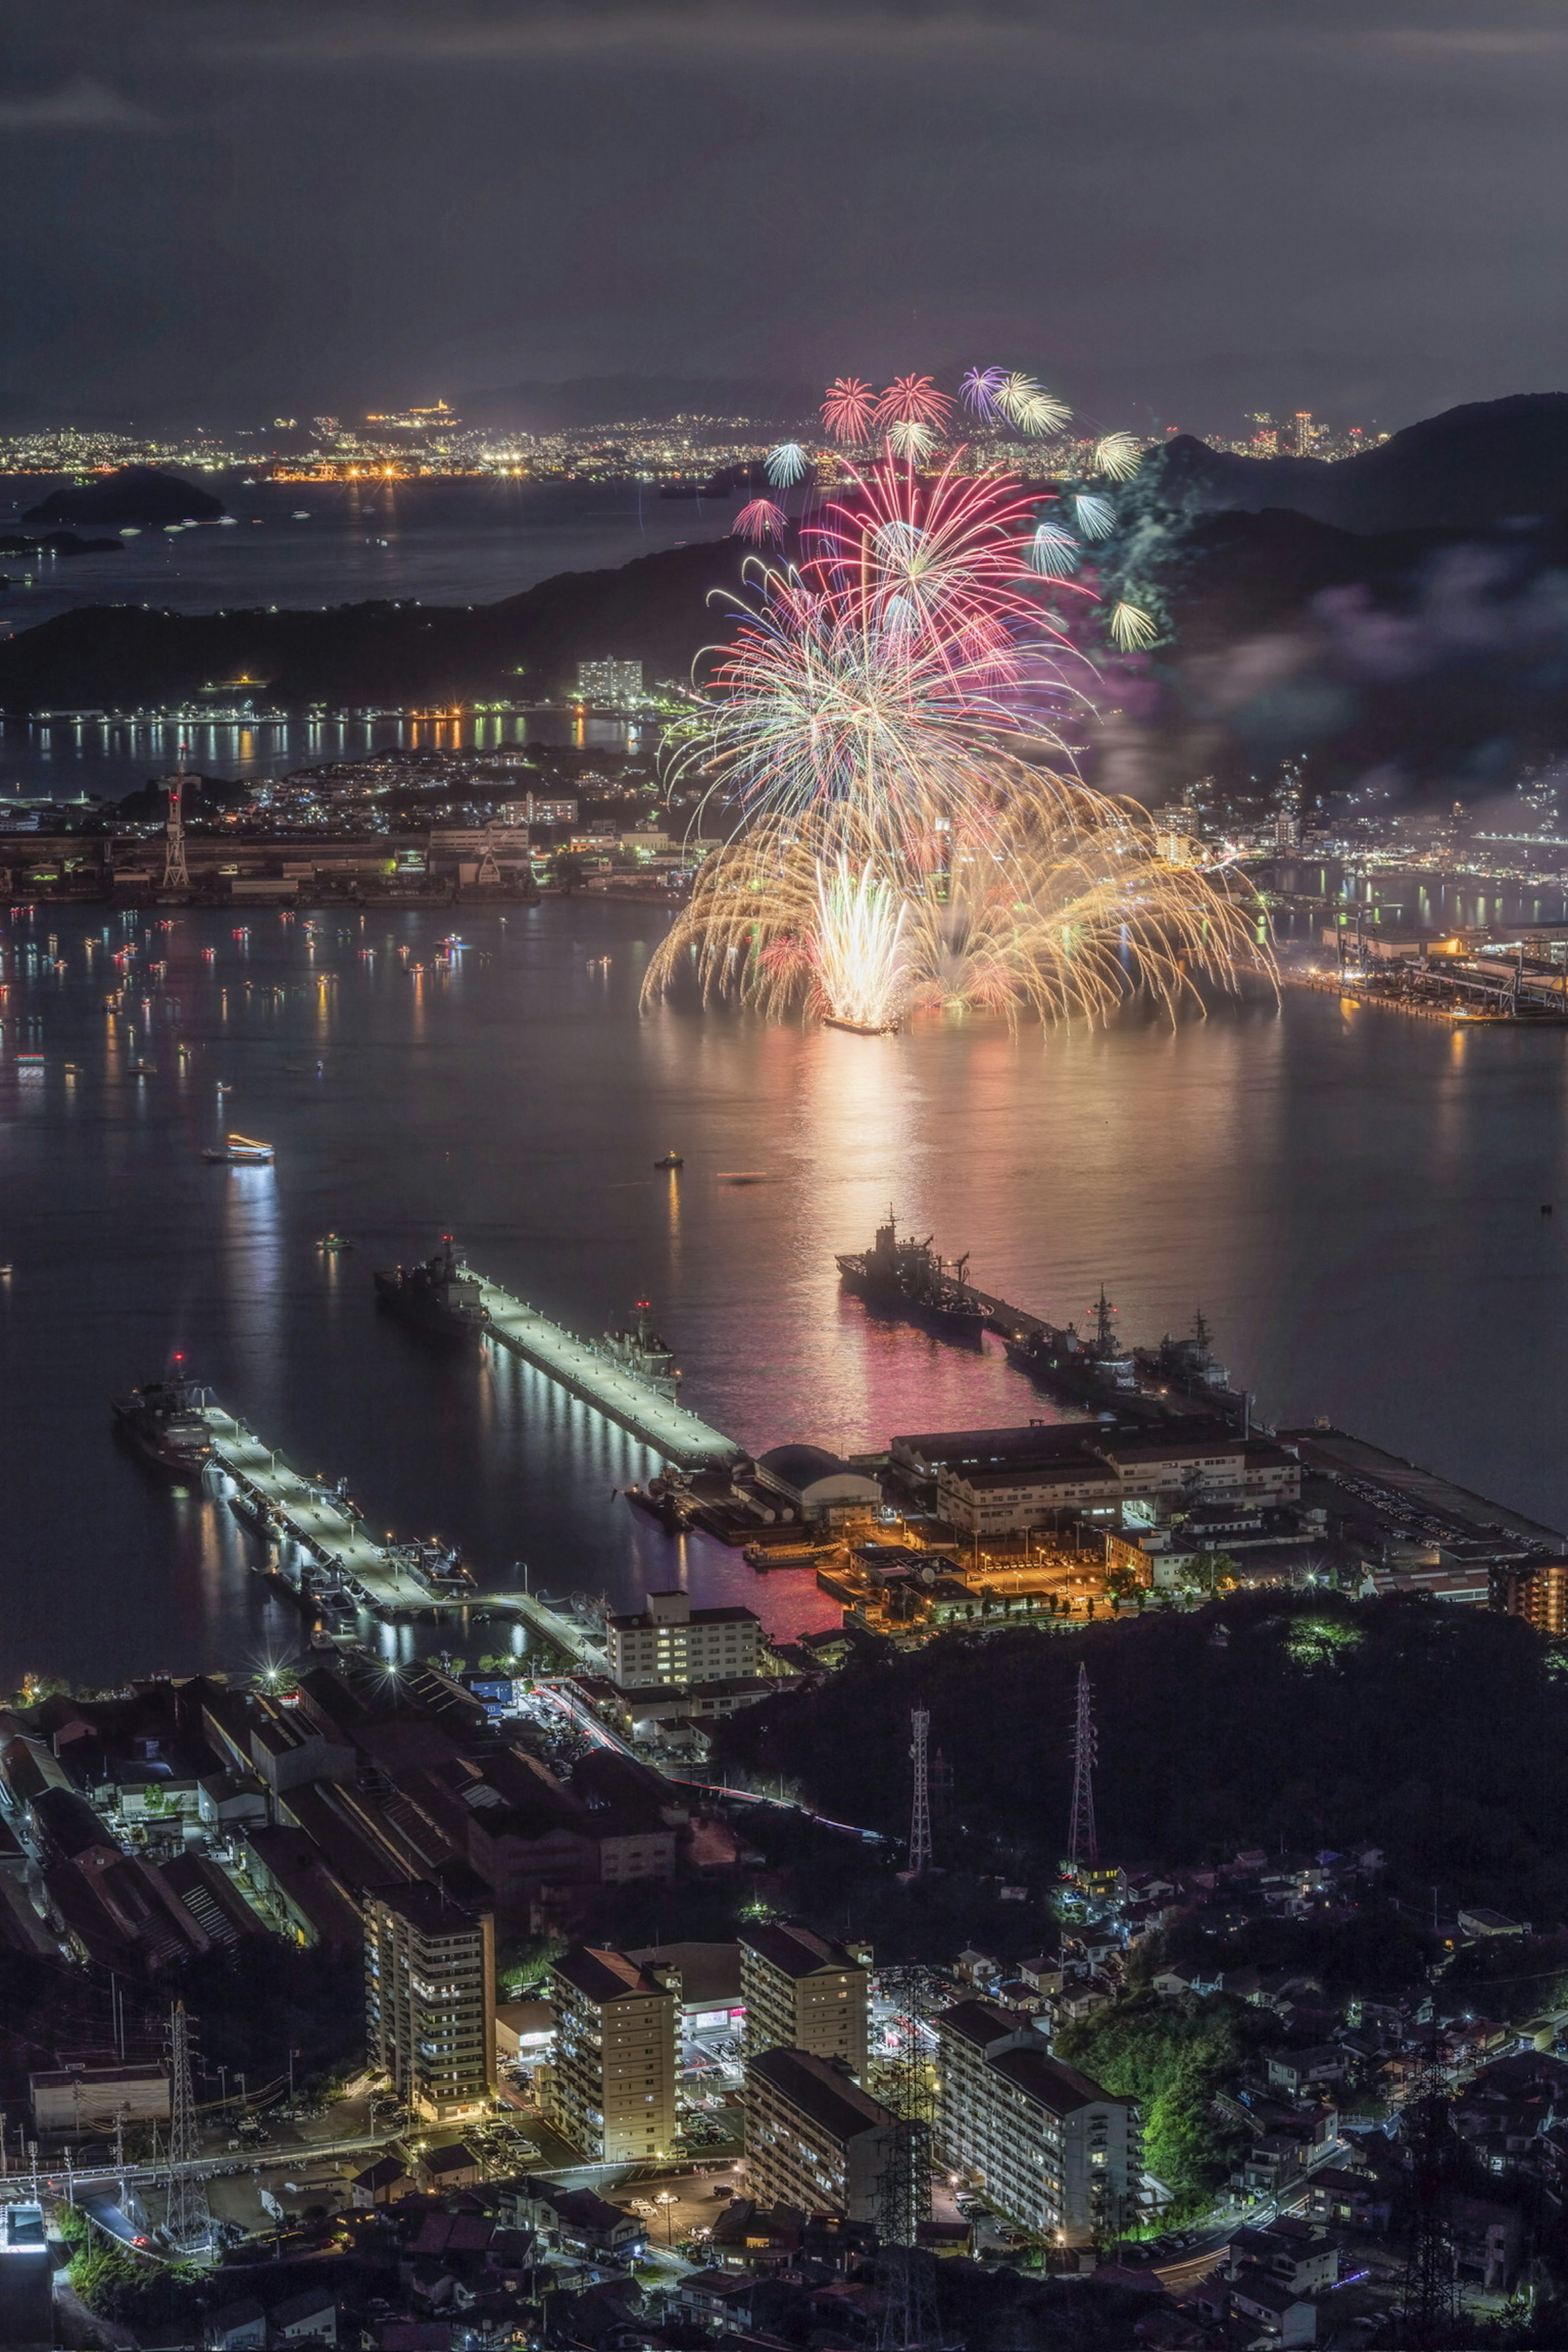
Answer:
[(430, 2020), (610, 685), (814, 2138), (670, 1641), (803, 1992), (1053, 2151), (615, 2068)]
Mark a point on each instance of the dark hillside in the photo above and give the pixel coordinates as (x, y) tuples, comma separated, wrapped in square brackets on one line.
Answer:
[(1437, 1733), (126, 657), (1471, 466)]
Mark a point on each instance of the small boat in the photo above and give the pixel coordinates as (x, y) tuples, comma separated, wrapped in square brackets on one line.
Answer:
[(332, 1243), (240, 1151), (860, 1028), (143, 1069), (671, 1160)]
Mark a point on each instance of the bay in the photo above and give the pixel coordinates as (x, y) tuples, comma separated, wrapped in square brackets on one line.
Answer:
[(1353, 1201)]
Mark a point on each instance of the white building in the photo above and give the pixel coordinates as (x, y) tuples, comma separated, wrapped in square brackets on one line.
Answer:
[(803, 1992), (670, 1641), (1052, 2150), (614, 2074), (610, 685)]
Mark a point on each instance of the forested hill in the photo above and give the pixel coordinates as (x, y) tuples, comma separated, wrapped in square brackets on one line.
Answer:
[(129, 656), (1438, 1732)]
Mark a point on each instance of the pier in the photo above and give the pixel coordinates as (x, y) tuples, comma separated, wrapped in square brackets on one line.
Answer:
[(318, 1521), (620, 1394)]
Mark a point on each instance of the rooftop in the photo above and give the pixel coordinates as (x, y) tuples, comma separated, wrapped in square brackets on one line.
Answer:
[(603, 1975), (818, 2090), (798, 1951)]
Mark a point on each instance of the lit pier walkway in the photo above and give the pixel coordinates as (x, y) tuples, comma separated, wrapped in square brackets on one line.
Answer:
[(563, 1633), (316, 1520), (620, 1394)]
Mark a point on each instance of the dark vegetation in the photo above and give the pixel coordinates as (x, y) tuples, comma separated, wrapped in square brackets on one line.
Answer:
[(142, 495), (253, 2004), (1172, 2061), (127, 657), (1437, 1734)]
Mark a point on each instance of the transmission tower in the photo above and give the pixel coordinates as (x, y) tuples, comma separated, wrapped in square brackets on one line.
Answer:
[(903, 2187), (175, 875), (919, 1809), (1428, 2307), (188, 2224), (1083, 1846)]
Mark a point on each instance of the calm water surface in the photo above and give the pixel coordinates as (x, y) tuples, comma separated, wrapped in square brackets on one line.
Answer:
[(1354, 1201)]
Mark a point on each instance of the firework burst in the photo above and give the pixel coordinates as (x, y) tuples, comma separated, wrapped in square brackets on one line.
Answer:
[(760, 520), (787, 464), (849, 409), (913, 400), (884, 727)]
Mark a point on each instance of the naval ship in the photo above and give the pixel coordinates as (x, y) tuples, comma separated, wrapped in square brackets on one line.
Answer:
[(161, 1420), (442, 1296), (908, 1277)]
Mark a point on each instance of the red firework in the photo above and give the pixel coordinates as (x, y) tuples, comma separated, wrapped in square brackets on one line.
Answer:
[(849, 409), (761, 519), (913, 400)]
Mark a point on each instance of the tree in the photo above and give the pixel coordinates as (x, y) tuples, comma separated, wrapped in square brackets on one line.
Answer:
[(571, 874)]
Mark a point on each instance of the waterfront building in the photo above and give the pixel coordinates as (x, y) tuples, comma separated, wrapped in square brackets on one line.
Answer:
[(815, 2139), (430, 2021), (803, 1992), (610, 685), (615, 2067), (1053, 2151), (670, 1641), (1003, 1481)]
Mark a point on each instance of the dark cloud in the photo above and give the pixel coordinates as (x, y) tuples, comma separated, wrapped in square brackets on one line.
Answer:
[(79, 104), (1177, 212)]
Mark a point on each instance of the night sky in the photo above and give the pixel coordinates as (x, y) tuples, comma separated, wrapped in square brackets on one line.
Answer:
[(1177, 210)]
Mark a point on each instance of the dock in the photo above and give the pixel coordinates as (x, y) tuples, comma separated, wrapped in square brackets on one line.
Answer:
[(563, 1633), (318, 1521), (620, 1394)]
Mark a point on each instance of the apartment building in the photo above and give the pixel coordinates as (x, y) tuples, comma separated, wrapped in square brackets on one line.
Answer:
[(430, 2020), (615, 2068), (670, 1641), (1055, 2152), (814, 2138), (802, 1991)]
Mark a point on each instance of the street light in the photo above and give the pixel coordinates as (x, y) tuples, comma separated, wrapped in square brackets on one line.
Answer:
[(668, 2200)]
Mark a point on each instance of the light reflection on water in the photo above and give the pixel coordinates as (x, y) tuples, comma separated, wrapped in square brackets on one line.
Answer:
[(1353, 1201)]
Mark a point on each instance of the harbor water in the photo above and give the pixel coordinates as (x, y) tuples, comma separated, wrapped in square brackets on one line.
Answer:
[(1354, 1201)]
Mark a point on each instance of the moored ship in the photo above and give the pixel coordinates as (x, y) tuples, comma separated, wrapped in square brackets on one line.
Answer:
[(162, 1420), (642, 1352), (1091, 1366), (908, 1277), (442, 1296)]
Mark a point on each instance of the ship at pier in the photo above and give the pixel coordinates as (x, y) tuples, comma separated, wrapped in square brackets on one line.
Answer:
[(1093, 1366), (442, 1297), (641, 1351), (908, 1277), (164, 1421)]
